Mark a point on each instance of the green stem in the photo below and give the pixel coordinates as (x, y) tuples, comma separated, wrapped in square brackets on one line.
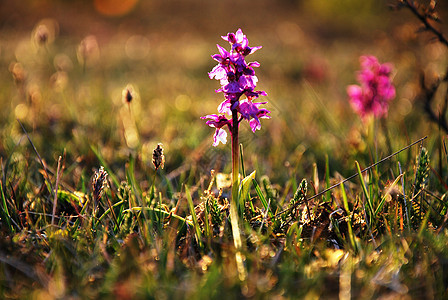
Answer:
[(239, 257), (235, 157)]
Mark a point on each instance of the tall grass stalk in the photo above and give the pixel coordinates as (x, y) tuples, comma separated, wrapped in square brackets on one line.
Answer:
[(5, 211), (405, 202), (366, 194), (196, 226), (44, 167), (349, 219), (55, 201)]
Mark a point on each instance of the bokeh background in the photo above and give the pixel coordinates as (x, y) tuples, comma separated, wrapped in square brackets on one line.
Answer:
[(64, 65)]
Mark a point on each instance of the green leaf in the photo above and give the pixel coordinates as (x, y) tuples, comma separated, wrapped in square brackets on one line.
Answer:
[(76, 197), (349, 219), (364, 189), (196, 226), (262, 198), (245, 188)]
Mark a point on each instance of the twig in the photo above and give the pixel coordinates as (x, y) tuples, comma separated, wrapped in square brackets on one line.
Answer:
[(424, 18), (425, 14), (428, 95)]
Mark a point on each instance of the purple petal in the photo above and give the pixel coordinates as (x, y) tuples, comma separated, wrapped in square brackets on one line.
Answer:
[(239, 36), (224, 107), (354, 91), (216, 121), (255, 124), (368, 61), (385, 69), (218, 72), (232, 88), (254, 64), (263, 114), (253, 49), (219, 136), (224, 53)]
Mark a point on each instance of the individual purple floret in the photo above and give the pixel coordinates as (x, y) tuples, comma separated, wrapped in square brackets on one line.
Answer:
[(376, 90), (218, 121), (237, 78)]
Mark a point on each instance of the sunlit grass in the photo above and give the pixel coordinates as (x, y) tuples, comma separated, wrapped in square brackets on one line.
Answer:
[(166, 232)]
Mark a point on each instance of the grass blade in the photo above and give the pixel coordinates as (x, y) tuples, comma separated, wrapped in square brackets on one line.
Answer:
[(327, 190), (262, 197), (327, 178), (243, 170), (55, 202), (5, 211), (196, 226), (244, 191), (383, 199), (364, 189), (38, 156), (349, 219)]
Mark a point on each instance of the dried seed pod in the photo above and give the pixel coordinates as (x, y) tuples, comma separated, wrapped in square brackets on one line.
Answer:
[(99, 183), (158, 159), (128, 94)]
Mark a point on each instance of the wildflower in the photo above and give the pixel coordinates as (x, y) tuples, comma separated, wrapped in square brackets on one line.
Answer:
[(237, 79), (158, 159), (376, 89), (252, 113), (218, 121)]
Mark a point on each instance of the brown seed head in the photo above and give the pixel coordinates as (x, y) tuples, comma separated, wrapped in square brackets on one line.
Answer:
[(158, 159), (99, 183), (128, 94)]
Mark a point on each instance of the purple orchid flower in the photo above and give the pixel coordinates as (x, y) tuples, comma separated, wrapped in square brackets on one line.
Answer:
[(372, 97), (237, 78), (218, 121)]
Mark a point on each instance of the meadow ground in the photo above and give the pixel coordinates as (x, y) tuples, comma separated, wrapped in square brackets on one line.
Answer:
[(66, 68)]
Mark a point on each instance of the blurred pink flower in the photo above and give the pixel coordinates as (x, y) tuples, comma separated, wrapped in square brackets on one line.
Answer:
[(376, 89)]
